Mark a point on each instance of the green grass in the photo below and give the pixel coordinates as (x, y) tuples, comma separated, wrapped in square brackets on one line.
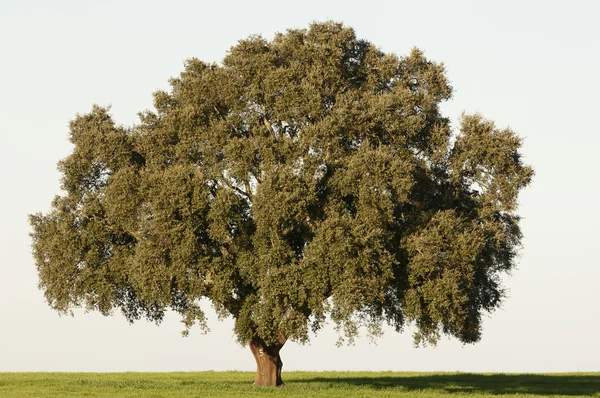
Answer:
[(298, 384)]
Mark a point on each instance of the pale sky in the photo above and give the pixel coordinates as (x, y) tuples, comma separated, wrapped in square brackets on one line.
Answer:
[(529, 65)]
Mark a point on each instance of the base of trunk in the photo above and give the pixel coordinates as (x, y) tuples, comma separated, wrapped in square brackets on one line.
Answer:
[(268, 363)]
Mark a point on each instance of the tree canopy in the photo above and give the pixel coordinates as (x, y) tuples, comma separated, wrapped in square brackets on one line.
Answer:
[(305, 177)]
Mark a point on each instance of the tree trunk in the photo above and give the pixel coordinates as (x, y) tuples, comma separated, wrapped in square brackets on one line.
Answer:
[(268, 362)]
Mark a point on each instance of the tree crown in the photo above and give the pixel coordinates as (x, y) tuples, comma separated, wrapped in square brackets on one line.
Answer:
[(304, 177)]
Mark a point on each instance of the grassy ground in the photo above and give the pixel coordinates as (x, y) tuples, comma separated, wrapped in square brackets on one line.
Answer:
[(298, 384)]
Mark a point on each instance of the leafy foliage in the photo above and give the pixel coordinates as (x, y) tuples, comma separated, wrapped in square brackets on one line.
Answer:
[(306, 176)]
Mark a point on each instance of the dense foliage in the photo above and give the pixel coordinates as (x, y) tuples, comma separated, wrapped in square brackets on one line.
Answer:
[(304, 177)]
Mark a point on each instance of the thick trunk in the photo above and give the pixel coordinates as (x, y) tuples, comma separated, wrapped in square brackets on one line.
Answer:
[(268, 362)]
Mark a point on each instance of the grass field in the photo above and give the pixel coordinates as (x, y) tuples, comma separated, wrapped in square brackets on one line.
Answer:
[(298, 384)]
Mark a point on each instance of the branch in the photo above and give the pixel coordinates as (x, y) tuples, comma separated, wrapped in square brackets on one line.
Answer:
[(238, 190), (267, 124), (281, 338), (227, 120), (255, 176), (246, 194), (269, 127)]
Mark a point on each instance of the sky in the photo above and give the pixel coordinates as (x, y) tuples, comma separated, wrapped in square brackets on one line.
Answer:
[(528, 65)]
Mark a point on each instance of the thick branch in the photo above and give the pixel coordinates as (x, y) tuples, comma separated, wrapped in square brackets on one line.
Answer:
[(281, 338)]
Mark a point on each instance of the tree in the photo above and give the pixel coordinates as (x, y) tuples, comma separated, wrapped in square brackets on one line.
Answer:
[(307, 177)]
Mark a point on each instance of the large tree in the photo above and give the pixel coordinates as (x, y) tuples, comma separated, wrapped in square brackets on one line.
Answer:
[(304, 178)]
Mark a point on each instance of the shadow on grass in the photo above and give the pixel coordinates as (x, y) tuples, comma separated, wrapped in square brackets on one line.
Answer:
[(497, 384)]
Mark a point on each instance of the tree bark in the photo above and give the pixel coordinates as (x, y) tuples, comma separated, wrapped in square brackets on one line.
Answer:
[(268, 362)]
